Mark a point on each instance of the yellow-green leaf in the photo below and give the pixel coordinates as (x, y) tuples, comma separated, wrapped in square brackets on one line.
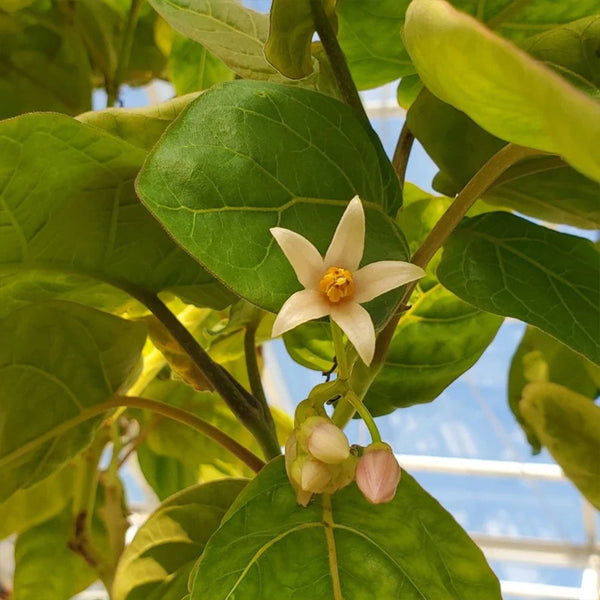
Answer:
[(500, 87), (568, 424)]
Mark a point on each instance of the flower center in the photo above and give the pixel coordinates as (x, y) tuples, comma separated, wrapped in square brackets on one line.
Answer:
[(337, 284)]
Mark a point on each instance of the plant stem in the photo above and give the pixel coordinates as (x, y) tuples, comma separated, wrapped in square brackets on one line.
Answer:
[(475, 188), (250, 412), (337, 59), (171, 412), (343, 367), (84, 500), (402, 153), (363, 376), (113, 85), (366, 416), (187, 418), (252, 364)]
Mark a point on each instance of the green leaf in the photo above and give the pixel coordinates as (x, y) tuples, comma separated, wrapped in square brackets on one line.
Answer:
[(45, 566), (43, 62), (140, 127), (288, 47), (568, 424), (222, 161), (436, 342), (572, 50), (540, 357), (58, 361), (500, 87), (29, 507), (409, 89), (509, 266), (198, 454), (228, 30), (311, 346), (157, 563), (167, 475), (370, 38), (537, 187), (409, 548), (370, 30), (102, 23), (68, 223), (193, 68)]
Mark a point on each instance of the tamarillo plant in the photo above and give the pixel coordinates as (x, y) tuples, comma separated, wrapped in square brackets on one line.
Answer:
[(147, 254)]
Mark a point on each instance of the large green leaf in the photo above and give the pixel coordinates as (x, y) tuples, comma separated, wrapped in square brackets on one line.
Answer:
[(369, 30), (540, 357), (460, 148), (43, 62), (409, 548), (58, 361), (568, 424), (157, 563), (438, 340), (45, 566), (68, 222), (193, 67), (31, 506), (217, 181), (500, 87), (509, 266)]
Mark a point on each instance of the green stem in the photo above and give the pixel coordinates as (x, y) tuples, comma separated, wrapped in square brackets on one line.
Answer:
[(112, 86), (256, 385), (338, 62), (343, 368), (84, 500), (366, 416), (363, 376), (245, 407), (475, 188), (171, 412), (402, 153), (210, 431)]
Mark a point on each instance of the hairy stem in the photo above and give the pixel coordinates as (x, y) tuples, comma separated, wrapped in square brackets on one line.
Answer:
[(402, 153), (337, 59), (113, 85), (248, 410)]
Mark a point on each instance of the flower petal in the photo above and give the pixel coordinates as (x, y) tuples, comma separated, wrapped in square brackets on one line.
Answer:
[(356, 323), (303, 256), (380, 277), (299, 308), (348, 242)]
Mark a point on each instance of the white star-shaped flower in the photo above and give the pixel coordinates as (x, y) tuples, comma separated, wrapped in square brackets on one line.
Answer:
[(334, 285)]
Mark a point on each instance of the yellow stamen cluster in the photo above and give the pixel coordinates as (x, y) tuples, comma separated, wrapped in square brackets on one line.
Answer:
[(337, 284)]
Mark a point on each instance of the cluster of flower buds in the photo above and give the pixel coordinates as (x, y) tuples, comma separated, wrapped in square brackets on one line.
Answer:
[(319, 459)]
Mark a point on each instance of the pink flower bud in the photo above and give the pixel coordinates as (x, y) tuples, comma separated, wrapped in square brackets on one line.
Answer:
[(378, 473), (328, 443)]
